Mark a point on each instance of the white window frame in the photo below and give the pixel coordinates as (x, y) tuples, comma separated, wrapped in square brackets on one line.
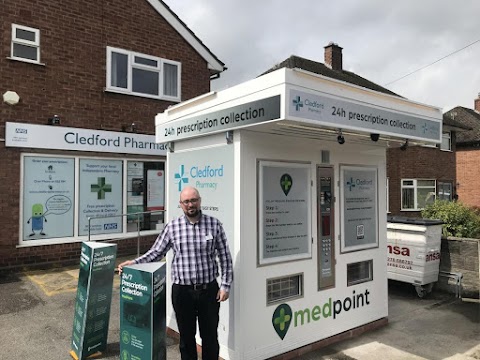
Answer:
[(446, 135), (125, 234), (415, 188), (33, 44), (133, 65)]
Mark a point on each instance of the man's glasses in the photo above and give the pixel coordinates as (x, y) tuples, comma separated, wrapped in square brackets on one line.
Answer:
[(190, 201)]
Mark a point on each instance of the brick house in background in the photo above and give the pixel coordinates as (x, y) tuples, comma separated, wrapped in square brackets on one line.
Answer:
[(81, 85), (417, 175), (468, 154)]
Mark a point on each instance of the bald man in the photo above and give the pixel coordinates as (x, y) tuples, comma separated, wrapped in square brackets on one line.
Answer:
[(197, 240)]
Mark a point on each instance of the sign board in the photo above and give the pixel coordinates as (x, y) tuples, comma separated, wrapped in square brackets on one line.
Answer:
[(94, 296), (143, 312), (66, 138), (347, 114), (284, 211), (359, 208)]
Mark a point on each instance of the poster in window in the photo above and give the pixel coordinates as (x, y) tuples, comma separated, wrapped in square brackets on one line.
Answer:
[(101, 190), (284, 211), (155, 190), (48, 196), (359, 220)]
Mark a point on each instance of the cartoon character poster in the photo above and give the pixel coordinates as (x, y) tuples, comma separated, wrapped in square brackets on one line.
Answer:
[(48, 197)]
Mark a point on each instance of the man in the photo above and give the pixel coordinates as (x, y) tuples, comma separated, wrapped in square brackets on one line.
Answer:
[(196, 240)]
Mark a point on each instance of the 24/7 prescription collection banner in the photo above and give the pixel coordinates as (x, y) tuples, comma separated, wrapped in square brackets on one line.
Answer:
[(143, 312), (94, 296)]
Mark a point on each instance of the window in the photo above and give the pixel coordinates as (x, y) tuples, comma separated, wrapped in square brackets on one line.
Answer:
[(446, 144), (67, 197), (359, 272), (142, 75), (25, 44), (416, 194), (288, 287), (445, 191)]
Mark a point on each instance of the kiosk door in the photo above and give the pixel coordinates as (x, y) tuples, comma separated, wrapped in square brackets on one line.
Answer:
[(325, 226)]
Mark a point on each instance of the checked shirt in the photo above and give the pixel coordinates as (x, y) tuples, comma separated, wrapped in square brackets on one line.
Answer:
[(195, 248)]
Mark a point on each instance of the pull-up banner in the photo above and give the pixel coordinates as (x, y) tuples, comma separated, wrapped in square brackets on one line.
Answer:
[(94, 296)]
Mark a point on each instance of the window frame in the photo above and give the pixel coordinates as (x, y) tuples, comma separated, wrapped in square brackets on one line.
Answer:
[(33, 44), (415, 188), (125, 234), (132, 64), (447, 135), (440, 187)]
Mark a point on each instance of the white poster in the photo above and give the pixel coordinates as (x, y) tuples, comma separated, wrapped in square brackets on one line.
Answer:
[(155, 190), (359, 220), (100, 196), (284, 211), (135, 183), (48, 196)]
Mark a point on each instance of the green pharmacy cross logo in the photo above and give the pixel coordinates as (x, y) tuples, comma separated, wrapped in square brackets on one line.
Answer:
[(281, 319), (298, 103), (286, 183), (101, 188)]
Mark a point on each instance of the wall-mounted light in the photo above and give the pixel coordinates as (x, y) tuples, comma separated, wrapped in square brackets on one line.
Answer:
[(374, 137), (340, 138), (404, 145), (55, 120), (11, 98)]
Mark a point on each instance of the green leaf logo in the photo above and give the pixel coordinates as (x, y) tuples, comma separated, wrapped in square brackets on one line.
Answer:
[(281, 319), (286, 183)]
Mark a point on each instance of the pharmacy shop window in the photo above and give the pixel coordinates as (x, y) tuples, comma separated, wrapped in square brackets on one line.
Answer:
[(69, 198)]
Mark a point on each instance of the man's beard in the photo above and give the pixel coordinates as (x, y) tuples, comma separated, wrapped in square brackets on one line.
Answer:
[(192, 212)]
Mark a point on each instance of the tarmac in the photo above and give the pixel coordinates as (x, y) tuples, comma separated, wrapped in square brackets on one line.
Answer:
[(36, 318)]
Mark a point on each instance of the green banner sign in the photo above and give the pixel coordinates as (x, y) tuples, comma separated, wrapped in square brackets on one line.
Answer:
[(142, 312), (94, 296)]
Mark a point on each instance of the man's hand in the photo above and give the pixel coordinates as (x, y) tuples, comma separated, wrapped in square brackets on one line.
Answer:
[(125, 263), (222, 295)]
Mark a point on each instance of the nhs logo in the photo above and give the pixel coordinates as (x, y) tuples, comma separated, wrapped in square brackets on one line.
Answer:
[(111, 226), (21, 131)]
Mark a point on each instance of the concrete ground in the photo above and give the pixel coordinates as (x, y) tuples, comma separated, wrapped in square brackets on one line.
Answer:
[(36, 316)]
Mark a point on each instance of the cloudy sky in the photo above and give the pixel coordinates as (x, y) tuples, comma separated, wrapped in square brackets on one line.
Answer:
[(382, 40)]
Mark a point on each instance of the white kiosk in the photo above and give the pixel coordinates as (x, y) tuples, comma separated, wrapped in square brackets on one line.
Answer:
[(293, 164)]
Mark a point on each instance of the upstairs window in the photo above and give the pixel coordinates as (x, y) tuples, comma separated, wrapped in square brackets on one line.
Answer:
[(25, 44), (446, 144), (142, 75)]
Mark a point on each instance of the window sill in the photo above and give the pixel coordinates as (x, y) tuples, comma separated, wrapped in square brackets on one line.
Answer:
[(26, 61), (163, 98), (75, 239)]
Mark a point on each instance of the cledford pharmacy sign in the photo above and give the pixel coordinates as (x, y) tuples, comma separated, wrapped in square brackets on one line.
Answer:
[(66, 138)]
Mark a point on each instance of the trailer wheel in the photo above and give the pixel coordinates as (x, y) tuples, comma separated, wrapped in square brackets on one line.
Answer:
[(421, 291)]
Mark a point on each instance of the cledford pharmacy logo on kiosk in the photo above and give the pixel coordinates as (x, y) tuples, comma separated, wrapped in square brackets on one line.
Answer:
[(284, 317), (199, 176)]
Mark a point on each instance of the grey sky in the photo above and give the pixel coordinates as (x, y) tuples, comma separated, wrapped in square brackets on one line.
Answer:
[(382, 40)]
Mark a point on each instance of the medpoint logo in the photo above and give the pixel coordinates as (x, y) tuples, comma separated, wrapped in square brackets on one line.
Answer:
[(283, 317)]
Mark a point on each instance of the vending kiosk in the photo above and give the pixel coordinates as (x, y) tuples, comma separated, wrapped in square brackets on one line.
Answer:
[(293, 164)]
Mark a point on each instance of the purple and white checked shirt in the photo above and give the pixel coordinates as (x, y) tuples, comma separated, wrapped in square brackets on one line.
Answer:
[(195, 247)]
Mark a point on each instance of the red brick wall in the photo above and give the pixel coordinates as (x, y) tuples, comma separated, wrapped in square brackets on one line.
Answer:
[(73, 40), (417, 162), (468, 176)]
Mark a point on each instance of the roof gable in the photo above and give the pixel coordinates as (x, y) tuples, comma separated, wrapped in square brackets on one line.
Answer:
[(468, 118), (297, 62), (214, 64)]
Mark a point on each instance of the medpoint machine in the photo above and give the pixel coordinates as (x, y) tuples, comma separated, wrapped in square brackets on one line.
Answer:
[(294, 165)]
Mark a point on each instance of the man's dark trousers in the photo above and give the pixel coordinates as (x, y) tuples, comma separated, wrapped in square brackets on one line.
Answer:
[(190, 302)]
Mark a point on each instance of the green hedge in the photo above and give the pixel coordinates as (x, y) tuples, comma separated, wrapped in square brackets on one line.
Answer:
[(459, 220)]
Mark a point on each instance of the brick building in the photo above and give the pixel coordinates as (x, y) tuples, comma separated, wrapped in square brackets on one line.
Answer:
[(81, 85), (417, 175), (468, 154)]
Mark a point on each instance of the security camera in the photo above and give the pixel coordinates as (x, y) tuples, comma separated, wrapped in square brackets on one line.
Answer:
[(374, 137)]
